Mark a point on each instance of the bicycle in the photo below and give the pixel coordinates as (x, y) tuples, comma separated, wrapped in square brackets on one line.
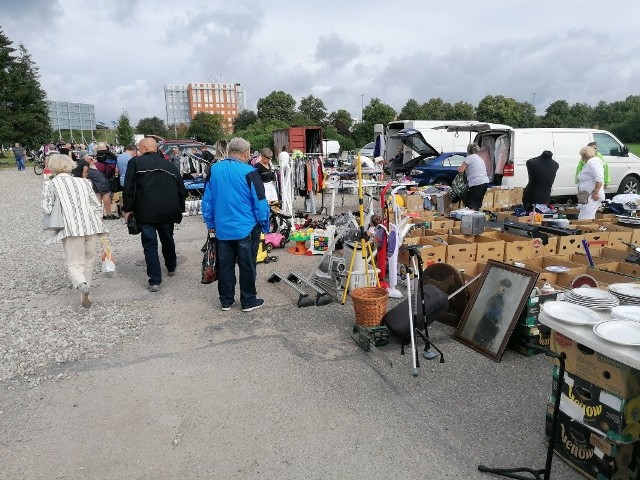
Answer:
[(38, 165)]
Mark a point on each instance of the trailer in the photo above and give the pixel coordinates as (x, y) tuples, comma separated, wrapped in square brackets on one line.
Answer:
[(304, 139)]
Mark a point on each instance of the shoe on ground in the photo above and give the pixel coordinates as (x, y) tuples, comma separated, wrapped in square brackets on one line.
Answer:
[(171, 273), (154, 288), (84, 288), (226, 309), (258, 304)]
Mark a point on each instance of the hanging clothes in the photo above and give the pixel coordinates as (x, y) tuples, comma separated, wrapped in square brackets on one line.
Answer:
[(501, 153)]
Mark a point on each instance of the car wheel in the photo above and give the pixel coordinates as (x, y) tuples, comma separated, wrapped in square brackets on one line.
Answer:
[(283, 242), (268, 247), (629, 184)]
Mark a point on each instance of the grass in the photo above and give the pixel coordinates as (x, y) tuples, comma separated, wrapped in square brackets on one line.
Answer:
[(634, 148)]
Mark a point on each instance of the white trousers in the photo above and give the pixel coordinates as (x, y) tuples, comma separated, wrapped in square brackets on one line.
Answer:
[(588, 211), (80, 254)]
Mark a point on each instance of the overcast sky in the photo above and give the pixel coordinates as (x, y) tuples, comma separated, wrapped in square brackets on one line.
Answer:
[(119, 54)]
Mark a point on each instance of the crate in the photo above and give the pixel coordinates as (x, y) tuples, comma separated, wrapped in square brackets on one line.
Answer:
[(570, 244), (488, 248), (516, 247), (540, 249)]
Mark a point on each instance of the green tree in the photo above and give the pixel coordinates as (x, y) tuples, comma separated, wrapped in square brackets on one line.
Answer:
[(463, 111), (152, 126), (314, 109), (500, 109), (412, 110), (581, 116), (24, 103), (6, 62), (124, 130), (245, 119), (278, 105), (207, 127), (342, 121), (260, 134), (181, 130), (437, 109), (375, 112), (557, 115)]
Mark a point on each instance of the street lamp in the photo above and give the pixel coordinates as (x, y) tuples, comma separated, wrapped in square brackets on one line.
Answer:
[(362, 108), (534, 101)]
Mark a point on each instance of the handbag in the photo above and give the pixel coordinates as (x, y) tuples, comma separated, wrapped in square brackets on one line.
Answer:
[(114, 184), (55, 219), (132, 223), (209, 274), (583, 197), (459, 185)]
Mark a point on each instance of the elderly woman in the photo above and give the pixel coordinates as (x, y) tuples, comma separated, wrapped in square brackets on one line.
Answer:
[(264, 167), (590, 180), (82, 214), (477, 178)]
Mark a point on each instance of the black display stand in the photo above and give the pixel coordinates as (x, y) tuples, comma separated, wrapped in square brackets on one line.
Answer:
[(546, 471)]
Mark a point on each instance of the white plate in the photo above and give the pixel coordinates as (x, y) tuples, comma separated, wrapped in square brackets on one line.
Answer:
[(622, 332), (626, 312), (571, 313), (591, 293), (626, 289), (557, 269)]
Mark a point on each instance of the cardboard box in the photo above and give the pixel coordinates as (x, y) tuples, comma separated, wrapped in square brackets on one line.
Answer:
[(502, 198), (603, 278), (488, 248), (590, 453), (430, 252), (459, 250), (570, 244), (516, 247), (613, 416), (604, 372), (526, 334), (487, 201), (541, 249), (516, 195), (621, 268), (615, 253), (413, 203), (541, 263), (618, 234), (439, 224)]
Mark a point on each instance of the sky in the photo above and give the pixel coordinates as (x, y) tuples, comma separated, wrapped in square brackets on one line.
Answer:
[(119, 54)]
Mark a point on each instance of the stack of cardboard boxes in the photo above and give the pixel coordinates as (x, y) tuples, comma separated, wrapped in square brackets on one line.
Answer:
[(599, 420)]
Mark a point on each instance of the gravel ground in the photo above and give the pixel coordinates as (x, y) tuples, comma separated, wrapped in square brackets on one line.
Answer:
[(33, 335)]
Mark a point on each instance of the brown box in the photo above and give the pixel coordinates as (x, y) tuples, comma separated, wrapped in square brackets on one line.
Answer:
[(618, 234), (570, 244), (413, 203), (460, 250), (615, 253), (502, 198), (488, 248), (623, 268), (600, 263), (438, 224), (487, 201), (516, 247), (604, 372), (602, 277), (541, 263), (506, 215), (516, 195), (430, 252), (540, 249)]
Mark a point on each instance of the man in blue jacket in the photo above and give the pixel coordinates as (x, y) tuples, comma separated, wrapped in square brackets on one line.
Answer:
[(235, 209)]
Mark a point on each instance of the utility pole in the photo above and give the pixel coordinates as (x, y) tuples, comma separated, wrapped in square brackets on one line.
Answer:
[(534, 101), (362, 108)]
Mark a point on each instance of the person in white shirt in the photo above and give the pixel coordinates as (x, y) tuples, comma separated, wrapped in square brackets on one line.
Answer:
[(591, 180), (477, 178)]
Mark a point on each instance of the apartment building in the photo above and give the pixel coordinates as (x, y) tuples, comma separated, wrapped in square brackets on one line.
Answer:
[(184, 101)]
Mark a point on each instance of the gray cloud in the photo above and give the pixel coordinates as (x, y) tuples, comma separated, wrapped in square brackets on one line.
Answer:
[(335, 52), (37, 12)]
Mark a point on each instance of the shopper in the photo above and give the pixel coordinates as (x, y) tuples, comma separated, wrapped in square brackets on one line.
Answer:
[(82, 213), (591, 181), (477, 178), (19, 154), (154, 194), (268, 175), (235, 209)]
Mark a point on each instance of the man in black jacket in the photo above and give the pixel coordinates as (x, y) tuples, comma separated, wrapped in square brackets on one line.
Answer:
[(542, 173), (154, 193)]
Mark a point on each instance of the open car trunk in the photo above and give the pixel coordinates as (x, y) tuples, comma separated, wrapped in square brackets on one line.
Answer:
[(414, 140)]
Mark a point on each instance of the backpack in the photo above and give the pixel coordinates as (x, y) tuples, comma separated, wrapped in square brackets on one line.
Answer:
[(459, 185)]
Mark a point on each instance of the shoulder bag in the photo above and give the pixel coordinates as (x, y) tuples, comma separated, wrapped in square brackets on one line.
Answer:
[(132, 223), (54, 220), (583, 197)]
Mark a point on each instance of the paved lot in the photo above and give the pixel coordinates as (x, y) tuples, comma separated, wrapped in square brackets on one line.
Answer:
[(277, 393)]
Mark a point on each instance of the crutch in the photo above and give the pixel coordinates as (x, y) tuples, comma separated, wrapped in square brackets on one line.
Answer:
[(414, 364)]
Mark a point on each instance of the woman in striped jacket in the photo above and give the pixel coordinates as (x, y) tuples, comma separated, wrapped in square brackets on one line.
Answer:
[(82, 215)]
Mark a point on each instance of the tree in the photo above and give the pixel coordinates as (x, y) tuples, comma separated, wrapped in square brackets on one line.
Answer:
[(22, 101), (207, 127), (342, 121), (181, 130), (314, 109), (463, 111), (278, 105), (581, 116), (124, 130), (244, 120), (152, 126), (500, 109), (412, 110), (557, 115), (260, 133), (375, 112), (437, 109)]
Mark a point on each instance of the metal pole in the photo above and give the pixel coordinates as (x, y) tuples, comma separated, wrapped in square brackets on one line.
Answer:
[(362, 108)]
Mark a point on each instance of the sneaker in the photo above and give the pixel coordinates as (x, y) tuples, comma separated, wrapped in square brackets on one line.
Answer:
[(171, 273), (154, 288), (258, 304), (226, 309), (84, 288)]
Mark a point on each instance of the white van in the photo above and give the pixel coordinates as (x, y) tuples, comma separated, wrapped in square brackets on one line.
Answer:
[(565, 143)]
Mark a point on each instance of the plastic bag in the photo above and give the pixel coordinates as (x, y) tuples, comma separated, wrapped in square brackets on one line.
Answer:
[(209, 272), (108, 260)]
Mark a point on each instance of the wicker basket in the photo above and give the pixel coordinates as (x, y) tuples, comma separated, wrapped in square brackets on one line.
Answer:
[(370, 305)]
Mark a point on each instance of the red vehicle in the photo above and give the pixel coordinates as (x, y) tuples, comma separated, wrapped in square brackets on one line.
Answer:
[(305, 139)]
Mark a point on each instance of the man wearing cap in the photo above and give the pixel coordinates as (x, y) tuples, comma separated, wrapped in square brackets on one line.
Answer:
[(581, 164), (489, 325)]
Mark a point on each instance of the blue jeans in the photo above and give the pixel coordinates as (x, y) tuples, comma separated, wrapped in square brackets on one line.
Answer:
[(20, 163), (244, 251), (150, 246)]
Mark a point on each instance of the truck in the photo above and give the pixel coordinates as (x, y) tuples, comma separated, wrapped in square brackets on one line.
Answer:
[(304, 139), (330, 148)]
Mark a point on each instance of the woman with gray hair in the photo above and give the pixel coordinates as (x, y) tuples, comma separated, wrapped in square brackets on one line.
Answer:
[(264, 167), (82, 215), (477, 178), (590, 180)]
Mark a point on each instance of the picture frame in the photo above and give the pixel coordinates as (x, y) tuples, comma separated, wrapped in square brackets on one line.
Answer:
[(494, 308)]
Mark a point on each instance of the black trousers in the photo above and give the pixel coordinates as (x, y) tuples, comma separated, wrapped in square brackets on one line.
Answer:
[(474, 196)]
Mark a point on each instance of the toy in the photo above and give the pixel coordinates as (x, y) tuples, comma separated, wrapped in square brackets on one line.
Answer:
[(274, 240), (263, 252)]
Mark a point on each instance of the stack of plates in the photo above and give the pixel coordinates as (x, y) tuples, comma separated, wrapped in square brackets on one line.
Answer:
[(626, 312), (591, 298), (571, 314), (628, 220), (627, 293)]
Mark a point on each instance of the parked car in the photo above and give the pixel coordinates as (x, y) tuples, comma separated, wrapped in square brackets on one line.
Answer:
[(441, 169), (414, 140), (367, 150)]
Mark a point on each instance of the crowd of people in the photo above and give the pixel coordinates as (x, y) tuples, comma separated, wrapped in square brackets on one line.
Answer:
[(235, 210)]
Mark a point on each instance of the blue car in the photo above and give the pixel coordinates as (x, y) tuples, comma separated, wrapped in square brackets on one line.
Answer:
[(441, 169)]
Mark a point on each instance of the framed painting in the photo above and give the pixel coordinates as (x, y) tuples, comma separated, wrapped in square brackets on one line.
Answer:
[(494, 308)]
